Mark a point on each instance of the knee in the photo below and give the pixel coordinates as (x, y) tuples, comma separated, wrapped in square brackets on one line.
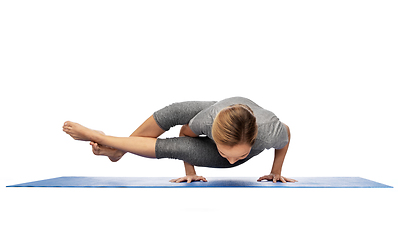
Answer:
[(187, 132), (183, 129)]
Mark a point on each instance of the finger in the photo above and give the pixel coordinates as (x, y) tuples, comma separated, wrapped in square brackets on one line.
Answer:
[(180, 180), (290, 180), (274, 180), (266, 177), (263, 178), (283, 180), (202, 178), (189, 180), (183, 179), (176, 180)]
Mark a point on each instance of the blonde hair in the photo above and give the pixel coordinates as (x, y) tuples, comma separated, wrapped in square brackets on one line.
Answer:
[(234, 125)]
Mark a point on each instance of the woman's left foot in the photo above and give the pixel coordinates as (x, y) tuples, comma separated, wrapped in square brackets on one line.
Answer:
[(113, 154), (78, 132)]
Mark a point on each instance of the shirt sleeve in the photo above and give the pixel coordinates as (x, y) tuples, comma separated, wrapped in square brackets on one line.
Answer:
[(271, 135), (281, 137)]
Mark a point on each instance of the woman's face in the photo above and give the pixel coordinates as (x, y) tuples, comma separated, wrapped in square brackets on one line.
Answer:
[(235, 153)]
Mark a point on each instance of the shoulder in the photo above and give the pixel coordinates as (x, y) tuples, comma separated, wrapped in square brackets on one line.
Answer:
[(273, 134), (237, 100)]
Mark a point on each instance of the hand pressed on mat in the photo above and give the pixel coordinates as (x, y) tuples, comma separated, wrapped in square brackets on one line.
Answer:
[(189, 179), (190, 175), (276, 177)]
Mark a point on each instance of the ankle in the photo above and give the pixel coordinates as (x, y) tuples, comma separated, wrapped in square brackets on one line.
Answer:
[(95, 136)]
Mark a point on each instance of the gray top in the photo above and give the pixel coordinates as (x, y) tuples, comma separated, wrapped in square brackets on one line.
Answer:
[(271, 132)]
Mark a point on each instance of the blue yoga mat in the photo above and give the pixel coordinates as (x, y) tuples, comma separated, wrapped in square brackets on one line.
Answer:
[(162, 182)]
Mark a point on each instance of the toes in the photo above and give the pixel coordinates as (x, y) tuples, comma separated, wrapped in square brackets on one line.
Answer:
[(67, 126), (70, 125), (96, 149)]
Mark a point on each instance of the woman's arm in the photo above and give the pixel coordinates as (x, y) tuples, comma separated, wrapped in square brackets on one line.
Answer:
[(187, 132), (189, 169), (276, 171), (280, 155)]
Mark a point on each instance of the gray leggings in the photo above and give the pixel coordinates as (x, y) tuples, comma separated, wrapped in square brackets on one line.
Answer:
[(200, 151)]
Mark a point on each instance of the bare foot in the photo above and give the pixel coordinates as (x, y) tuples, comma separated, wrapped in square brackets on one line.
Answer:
[(113, 154), (78, 132)]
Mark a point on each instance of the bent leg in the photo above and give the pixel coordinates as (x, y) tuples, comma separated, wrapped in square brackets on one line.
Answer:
[(148, 129), (199, 151), (162, 120), (179, 113)]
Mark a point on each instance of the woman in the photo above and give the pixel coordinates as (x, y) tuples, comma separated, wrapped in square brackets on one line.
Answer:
[(214, 134)]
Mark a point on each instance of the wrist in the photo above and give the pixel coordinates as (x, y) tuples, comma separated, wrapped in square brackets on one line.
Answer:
[(189, 169), (276, 171), (190, 173)]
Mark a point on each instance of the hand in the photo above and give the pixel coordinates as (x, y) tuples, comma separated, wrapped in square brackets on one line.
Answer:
[(189, 179), (275, 177)]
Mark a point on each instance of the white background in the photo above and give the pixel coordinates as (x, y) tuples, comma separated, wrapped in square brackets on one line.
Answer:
[(325, 68)]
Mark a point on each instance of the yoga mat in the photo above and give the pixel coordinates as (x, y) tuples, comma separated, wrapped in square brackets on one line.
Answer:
[(163, 182)]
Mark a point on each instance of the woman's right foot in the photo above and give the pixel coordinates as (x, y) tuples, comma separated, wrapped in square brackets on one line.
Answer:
[(113, 154)]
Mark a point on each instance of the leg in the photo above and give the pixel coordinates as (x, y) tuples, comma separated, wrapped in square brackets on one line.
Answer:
[(143, 146), (148, 129), (199, 151), (179, 113), (161, 121)]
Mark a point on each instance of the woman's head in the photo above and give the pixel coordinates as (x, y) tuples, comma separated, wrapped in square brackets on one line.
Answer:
[(234, 131)]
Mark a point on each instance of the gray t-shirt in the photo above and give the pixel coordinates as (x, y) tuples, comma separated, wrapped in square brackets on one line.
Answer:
[(271, 132)]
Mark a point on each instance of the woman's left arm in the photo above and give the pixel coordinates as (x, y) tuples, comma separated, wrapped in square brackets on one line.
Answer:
[(276, 171), (189, 169)]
